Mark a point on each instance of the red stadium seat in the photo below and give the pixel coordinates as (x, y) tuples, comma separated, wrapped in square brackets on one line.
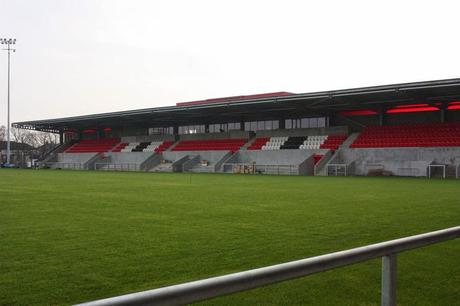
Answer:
[(93, 145), (210, 145), (258, 143), (414, 135)]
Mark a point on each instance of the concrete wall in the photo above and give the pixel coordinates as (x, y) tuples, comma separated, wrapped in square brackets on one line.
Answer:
[(275, 157), (211, 156), (128, 157), (307, 167), (74, 157), (398, 161)]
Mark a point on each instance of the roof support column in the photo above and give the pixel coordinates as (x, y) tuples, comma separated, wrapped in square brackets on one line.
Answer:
[(442, 113), (61, 137), (282, 123), (100, 133), (382, 116)]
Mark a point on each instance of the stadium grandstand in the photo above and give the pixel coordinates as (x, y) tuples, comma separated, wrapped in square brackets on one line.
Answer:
[(410, 129)]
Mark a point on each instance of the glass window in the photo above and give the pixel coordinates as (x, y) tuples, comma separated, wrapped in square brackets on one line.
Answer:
[(260, 125), (304, 123), (322, 122), (233, 126), (247, 126), (313, 122), (257, 125), (268, 125), (225, 127), (191, 129), (296, 124)]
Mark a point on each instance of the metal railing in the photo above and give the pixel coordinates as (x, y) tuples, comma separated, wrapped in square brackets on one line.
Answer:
[(322, 162), (177, 165), (192, 162), (407, 171), (52, 154), (151, 162), (117, 167), (261, 169), (89, 164), (337, 170), (236, 282), (431, 169), (223, 160), (63, 165)]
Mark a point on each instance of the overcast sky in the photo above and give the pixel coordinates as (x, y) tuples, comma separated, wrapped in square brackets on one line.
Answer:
[(86, 56)]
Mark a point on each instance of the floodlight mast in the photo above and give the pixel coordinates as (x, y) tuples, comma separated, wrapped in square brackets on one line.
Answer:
[(8, 42)]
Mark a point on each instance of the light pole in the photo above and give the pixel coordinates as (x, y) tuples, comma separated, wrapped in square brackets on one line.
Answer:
[(8, 42)]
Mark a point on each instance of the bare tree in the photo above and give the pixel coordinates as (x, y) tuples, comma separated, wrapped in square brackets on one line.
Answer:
[(32, 138), (21, 136), (43, 138), (2, 133)]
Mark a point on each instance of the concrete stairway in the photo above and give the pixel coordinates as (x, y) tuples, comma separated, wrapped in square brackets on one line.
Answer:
[(172, 146), (321, 167), (349, 140), (248, 143)]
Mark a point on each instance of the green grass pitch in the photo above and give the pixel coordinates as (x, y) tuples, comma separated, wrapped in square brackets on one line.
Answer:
[(69, 236)]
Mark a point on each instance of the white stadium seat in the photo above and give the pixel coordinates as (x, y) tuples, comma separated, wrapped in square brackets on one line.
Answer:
[(275, 143), (313, 142)]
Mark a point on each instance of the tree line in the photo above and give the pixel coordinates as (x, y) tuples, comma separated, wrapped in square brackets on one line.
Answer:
[(33, 138)]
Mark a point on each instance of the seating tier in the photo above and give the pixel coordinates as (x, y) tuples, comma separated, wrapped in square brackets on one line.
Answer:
[(210, 145), (415, 135), (147, 146), (333, 142), (259, 143), (317, 157), (314, 142), (93, 145), (120, 147), (275, 143)]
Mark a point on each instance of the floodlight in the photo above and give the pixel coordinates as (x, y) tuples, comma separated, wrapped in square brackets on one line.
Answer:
[(8, 42)]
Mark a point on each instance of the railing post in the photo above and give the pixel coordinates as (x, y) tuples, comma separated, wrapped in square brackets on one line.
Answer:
[(389, 268)]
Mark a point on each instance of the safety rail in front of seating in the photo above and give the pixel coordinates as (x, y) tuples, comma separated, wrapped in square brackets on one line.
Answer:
[(236, 282)]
